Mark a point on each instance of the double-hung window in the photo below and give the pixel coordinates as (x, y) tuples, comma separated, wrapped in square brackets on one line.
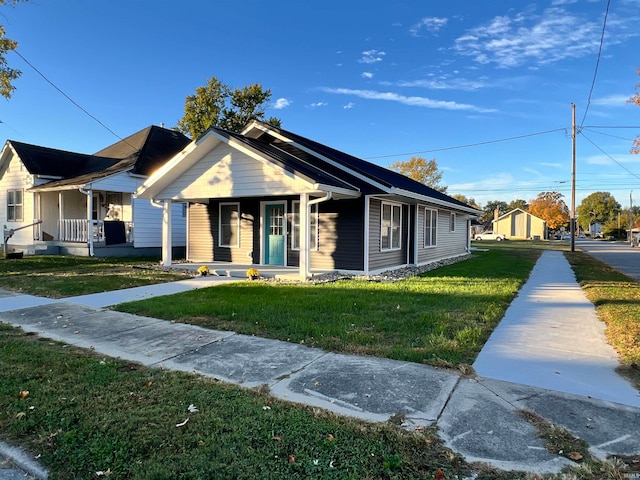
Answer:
[(313, 226), (390, 226), (14, 205), (229, 225), (430, 223)]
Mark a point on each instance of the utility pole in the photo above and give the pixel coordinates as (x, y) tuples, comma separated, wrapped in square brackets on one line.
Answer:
[(631, 218), (573, 178)]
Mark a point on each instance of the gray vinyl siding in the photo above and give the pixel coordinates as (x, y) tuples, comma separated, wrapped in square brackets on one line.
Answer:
[(378, 259), (199, 233), (341, 226), (203, 233), (449, 244)]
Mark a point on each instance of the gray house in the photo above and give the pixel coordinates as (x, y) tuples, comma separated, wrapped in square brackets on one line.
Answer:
[(271, 197)]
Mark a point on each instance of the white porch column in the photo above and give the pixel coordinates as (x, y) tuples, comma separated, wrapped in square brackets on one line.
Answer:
[(166, 233), (304, 236)]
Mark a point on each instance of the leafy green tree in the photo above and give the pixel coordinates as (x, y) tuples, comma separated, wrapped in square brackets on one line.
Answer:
[(550, 207), (469, 201), (600, 207), (490, 210), (7, 74), (521, 204), (217, 105), (421, 170)]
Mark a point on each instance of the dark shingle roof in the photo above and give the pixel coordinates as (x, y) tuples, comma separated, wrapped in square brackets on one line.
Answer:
[(140, 153), (58, 163), (375, 173)]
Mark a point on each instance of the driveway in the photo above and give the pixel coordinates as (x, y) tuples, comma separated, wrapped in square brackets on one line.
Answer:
[(619, 255)]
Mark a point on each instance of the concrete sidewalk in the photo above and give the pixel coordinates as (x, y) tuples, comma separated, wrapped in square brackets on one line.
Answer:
[(477, 416)]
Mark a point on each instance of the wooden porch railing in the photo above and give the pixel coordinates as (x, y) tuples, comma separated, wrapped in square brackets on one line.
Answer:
[(77, 230)]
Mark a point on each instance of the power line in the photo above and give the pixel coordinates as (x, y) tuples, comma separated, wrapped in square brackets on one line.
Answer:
[(610, 157), (595, 73), (608, 134), (71, 99), (470, 144)]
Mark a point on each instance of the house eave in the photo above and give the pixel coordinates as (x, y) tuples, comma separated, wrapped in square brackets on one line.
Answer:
[(435, 201)]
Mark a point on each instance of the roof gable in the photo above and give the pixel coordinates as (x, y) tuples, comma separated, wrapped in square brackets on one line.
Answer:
[(511, 212)]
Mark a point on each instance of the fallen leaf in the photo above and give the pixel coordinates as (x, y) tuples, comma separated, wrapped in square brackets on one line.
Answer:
[(192, 408), (277, 438), (420, 428), (575, 456), (292, 459), (266, 407), (182, 424), (24, 394), (149, 383), (331, 438), (439, 475), (21, 415)]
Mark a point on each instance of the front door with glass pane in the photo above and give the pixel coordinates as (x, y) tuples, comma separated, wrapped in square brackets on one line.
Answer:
[(274, 235)]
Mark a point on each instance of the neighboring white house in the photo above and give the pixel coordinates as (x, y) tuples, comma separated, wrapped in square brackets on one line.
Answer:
[(54, 201)]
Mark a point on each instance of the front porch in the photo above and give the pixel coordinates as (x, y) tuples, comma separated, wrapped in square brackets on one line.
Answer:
[(228, 269)]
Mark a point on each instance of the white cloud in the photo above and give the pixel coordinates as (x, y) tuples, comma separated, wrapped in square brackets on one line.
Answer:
[(349, 106), (509, 41), (372, 56), (319, 104), (430, 24), (611, 100), (411, 101), (367, 75), (281, 103), (442, 84)]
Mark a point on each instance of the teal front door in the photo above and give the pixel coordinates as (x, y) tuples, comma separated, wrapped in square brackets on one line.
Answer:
[(274, 235)]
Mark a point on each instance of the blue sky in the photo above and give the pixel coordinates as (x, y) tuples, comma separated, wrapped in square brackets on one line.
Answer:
[(382, 80)]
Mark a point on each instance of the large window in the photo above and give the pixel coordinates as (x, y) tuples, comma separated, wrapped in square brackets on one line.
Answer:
[(229, 225), (430, 227), (390, 226), (14, 205), (313, 227)]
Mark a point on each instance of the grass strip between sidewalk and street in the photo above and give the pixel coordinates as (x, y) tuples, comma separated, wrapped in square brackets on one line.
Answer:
[(442, 317)]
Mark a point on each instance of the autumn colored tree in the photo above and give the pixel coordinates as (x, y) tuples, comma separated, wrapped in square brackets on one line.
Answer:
[(599, 207), (7, 74), (421, 170), (217, 105), (550, 207)]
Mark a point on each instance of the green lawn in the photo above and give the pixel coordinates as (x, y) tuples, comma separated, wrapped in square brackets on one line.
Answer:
[(442, 317), (59, 276), (85, 414)]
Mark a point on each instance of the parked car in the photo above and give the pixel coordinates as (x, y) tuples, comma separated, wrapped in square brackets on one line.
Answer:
[(498, 237)]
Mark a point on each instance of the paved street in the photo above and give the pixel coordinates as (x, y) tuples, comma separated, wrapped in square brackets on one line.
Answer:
[(619, 255)]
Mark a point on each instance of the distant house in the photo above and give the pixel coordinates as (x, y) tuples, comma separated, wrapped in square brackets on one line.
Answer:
[(271, 197), (54, 201), (518, 224)]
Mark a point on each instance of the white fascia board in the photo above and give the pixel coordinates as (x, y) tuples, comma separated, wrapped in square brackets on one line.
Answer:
[(316, 154), (337, 190), (435, 201)]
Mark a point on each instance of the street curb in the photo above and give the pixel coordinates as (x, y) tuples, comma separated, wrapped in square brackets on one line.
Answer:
[(23, 461)]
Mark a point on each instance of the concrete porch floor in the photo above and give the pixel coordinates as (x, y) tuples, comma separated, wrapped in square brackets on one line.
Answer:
[(228, 269)]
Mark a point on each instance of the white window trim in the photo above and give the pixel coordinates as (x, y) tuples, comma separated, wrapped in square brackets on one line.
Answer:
[(391, 237), (295, 240), (14, 217), (452, 222), (427, 233), (224, 204)]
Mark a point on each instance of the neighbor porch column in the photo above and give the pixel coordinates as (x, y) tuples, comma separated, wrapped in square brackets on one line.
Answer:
[(166, 233), (304, 236)]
